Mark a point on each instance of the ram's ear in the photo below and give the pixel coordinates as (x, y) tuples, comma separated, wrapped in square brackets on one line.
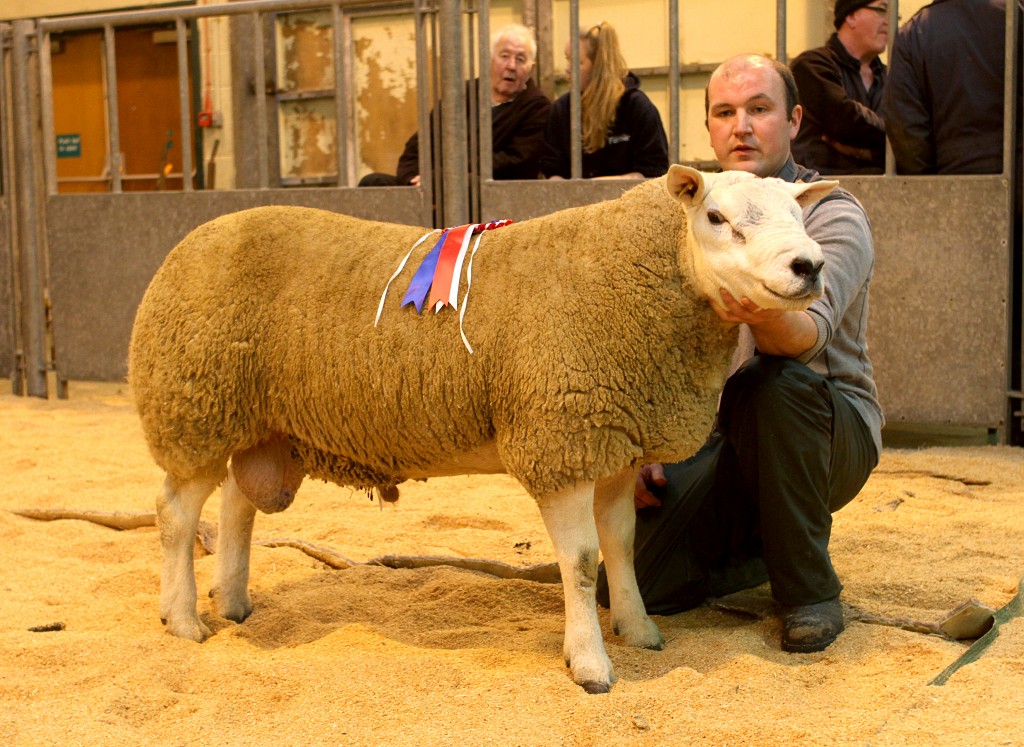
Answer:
[(809, 193), (685, 184)]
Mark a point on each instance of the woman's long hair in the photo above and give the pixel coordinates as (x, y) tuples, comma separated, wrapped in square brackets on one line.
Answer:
[(600, 100)]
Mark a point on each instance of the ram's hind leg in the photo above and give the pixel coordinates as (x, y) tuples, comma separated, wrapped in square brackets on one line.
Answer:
[(569, 518), (616, 525), (178, 510), (230, 590)]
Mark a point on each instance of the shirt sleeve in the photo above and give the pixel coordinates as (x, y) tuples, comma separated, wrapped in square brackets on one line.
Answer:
[(841, 228)]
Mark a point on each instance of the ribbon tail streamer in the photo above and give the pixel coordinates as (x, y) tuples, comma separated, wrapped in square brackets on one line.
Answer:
[(444, 279), (465, 298), (420, 285), (401, 266)]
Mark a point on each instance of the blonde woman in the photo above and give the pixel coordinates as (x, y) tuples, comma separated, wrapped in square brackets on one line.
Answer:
[(622, 132)]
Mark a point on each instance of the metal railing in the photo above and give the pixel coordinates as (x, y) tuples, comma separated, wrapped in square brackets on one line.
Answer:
[(181, 17)]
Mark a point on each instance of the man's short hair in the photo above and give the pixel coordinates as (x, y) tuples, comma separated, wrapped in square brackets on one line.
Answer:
[(516, 31), (788, 82)]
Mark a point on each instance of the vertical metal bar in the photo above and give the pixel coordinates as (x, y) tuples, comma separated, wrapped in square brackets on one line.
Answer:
[(894, 20), (46, 102), (113, 117), (780, 32), (423, 113), (543, 74), (474, 104), (575, 112), (673, 81), (485, 97), (435, 158), (261, 100), (5, 163), (27, 216), (13, 367), (1009, 90), (185, 106), (453, 116), (340, 95), (1011, 172)]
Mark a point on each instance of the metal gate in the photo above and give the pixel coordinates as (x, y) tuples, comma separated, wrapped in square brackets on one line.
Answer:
[(74, 266)]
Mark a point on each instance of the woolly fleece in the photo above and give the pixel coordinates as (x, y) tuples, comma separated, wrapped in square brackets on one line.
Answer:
[(592, 349)]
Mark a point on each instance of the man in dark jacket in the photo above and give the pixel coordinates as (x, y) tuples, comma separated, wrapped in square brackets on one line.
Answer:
[(518, 115), (841, 88), (946, 117)]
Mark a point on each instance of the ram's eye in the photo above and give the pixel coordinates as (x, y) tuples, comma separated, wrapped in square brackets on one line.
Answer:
[(715, 218)]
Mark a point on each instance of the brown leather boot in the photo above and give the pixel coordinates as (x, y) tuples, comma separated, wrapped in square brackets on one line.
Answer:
[(811, 627)]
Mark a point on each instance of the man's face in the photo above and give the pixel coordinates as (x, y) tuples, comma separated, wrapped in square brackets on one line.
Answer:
[(870, 25), (510, 67), (747, 119)]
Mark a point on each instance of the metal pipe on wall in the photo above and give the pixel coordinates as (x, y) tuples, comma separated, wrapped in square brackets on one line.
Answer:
[(46, 94), (340, 101), (261, 100), (423, 15), (484, 95), (575, 110), (475, 97), (113, 118), (453, 116), (780, 32), (7, 283), (1011, 172), (894, 21), (673, 81), (27, 215), (1009, 90), (184, 106)]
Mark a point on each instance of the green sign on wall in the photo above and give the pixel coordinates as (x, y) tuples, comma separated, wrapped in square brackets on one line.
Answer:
[(69, 146)]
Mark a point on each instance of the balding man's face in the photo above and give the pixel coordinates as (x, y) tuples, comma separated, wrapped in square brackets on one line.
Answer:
[(747, 119)]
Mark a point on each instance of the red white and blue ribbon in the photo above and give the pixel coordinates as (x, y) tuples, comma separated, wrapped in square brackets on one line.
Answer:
[(440, 270)]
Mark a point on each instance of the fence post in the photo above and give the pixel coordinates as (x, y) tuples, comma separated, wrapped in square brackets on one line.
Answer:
[(454, 166), (27, 215)]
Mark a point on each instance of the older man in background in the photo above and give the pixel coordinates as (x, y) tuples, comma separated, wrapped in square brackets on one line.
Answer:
[(841, 88), (519, 112)]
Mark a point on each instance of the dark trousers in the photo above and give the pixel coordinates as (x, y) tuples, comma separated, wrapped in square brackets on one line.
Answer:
[(756, 502)]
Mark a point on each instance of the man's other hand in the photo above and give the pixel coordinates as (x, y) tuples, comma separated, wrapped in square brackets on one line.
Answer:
[(650, 476)]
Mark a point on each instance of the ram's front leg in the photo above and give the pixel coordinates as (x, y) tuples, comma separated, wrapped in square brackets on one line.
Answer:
[(569, 518), (616, 527)]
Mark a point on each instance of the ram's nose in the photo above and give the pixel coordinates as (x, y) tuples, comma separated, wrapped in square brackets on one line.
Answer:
[(806, 268)]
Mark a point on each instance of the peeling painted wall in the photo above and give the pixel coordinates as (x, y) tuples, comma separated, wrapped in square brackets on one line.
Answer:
[(305, 51), (384, 99), (305, 67)]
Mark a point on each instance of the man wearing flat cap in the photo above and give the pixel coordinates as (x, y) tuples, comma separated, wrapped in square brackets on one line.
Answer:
[(841, 92)]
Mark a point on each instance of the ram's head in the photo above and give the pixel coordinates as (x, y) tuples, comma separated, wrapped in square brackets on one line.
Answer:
[(746, 234)]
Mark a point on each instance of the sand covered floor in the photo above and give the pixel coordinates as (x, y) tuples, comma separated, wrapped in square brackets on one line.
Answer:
[(443, 656)]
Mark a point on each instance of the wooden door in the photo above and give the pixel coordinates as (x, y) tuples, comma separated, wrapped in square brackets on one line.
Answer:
[(148, 110)]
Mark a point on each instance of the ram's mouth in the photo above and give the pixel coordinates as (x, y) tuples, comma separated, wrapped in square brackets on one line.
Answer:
[(809, 296)]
